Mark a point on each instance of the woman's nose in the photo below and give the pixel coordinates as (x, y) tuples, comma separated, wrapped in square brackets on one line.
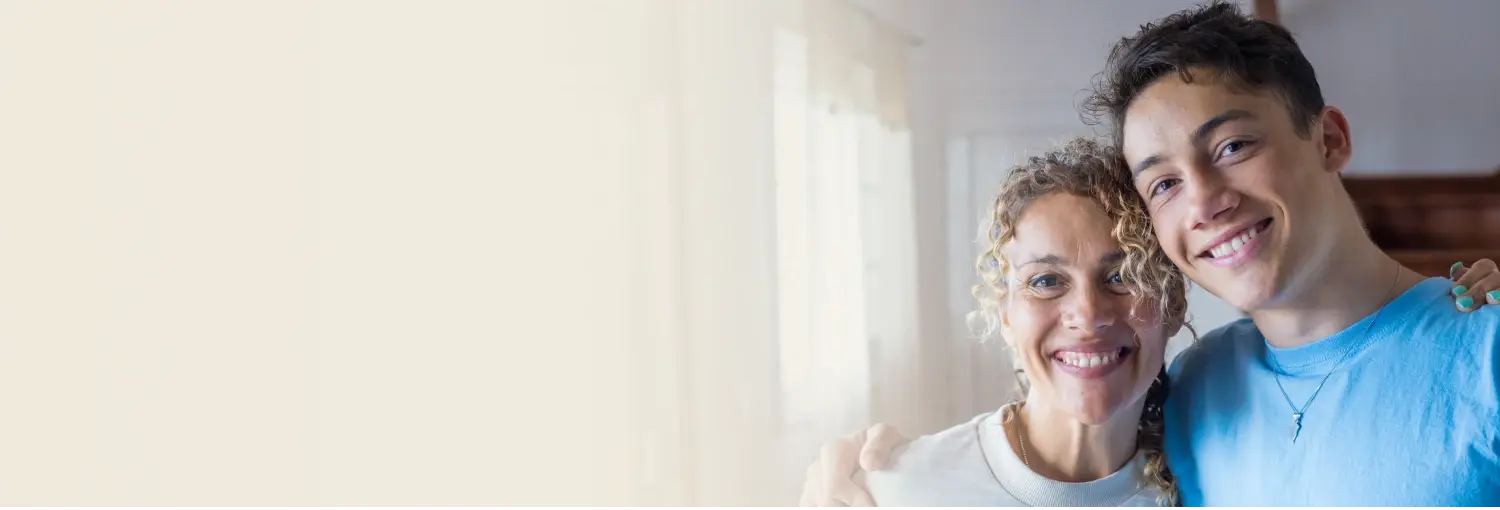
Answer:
[(1089, 311)]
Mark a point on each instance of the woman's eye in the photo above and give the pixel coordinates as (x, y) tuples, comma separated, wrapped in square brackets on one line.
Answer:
[(1163, 186), (1046, 286), (1043, 282), (1116, 283)]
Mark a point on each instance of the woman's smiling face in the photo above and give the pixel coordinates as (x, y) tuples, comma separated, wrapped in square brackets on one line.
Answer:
[(1089, 347)]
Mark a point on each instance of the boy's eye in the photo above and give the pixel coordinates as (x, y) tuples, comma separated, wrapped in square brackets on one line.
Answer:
[(1234, 147), (1163, 186)]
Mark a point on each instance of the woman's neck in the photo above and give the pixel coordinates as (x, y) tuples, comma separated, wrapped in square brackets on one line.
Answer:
[(1061, 448)]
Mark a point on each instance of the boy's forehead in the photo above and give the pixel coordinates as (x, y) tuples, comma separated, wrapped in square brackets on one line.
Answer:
[(1172, 111)]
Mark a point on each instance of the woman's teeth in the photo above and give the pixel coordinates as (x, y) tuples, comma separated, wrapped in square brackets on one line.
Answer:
[(1227, 248), (1088, 359)]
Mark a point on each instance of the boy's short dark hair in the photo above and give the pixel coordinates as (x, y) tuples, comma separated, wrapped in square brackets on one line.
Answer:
[(1244, 52)]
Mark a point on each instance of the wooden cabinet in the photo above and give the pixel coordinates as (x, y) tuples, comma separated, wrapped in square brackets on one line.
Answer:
[(1428, 223)]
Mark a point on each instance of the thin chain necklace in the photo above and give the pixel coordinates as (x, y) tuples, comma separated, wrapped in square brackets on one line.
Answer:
[(1021, 440), (1295, 429), (1021, 437)]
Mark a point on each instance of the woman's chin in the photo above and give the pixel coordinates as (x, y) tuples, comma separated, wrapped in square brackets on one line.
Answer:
[(1093, 415), (1097, 410)]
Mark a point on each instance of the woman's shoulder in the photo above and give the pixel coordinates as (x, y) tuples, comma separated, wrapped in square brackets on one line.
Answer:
[(940, 469), (940, 449)]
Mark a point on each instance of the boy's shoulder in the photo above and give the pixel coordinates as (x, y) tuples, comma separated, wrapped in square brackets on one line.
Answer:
[(1432, 315), (1216, 350)]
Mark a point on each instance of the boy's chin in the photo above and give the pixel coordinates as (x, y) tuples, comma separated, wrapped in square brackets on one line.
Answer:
[(1245, 294), (1248, 302)]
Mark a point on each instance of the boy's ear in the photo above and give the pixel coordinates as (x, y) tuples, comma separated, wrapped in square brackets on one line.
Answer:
[(1331, 130)]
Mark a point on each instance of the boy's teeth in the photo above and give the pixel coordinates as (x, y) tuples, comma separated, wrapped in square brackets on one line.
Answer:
[(1233, 245)]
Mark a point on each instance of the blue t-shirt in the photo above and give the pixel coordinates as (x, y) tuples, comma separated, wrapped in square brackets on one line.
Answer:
[(1409, 420)]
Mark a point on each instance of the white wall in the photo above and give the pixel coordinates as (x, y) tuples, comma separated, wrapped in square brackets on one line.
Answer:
[(1418, 80)]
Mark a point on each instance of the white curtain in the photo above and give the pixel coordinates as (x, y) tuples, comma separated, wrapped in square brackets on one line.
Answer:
[(775, 284), (468, 253)]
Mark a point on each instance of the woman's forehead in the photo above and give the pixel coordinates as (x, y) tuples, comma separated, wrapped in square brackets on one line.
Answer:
[(1066, 227)]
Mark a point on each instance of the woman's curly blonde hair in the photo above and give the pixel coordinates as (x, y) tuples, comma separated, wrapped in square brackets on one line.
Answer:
[(1086, 168)]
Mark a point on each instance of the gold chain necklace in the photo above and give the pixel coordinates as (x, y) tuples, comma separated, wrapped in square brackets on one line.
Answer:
[(1021, 441), (1021, 437)]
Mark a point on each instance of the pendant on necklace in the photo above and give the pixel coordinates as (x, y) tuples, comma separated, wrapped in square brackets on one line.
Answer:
[(1296, 428)]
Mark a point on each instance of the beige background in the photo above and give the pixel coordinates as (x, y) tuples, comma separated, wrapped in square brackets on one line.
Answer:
[(291, 252)]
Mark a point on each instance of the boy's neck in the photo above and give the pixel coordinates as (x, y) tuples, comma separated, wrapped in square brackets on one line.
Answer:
[(1355, 283)]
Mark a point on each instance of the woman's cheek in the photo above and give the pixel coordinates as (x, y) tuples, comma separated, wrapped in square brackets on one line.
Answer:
[(1031, 319)]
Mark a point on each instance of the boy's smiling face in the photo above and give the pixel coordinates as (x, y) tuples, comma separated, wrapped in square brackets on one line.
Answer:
[(1240, 198)]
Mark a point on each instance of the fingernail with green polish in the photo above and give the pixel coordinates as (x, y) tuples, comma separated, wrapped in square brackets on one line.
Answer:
[(1465, 303), (1494, 295), (1460, 290), (1455, 267)]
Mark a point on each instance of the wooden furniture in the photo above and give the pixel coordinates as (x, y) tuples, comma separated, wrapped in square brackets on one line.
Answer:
[(1428, 223), (1266, 10)]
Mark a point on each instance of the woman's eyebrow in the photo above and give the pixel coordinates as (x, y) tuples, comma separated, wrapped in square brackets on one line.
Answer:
[(1051, 260)]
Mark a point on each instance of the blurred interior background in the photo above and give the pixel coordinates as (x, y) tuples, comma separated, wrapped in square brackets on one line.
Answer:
[(813, 270), (582, 252)]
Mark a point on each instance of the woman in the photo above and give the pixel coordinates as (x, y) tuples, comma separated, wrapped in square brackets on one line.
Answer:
[(1076, 285), (1077, 289)]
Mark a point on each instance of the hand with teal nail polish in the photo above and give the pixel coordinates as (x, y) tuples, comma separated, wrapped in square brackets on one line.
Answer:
[(1476, 285)]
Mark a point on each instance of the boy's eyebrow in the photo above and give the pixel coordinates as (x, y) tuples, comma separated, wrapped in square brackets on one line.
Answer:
[(1205, 129), (1144, 164)]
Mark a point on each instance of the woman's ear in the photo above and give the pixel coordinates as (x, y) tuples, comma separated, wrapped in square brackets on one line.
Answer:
[(1005, 327), (1174, 327)]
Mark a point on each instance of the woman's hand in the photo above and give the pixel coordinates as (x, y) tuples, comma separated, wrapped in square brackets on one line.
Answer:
[(1475, 286), (830, 479)]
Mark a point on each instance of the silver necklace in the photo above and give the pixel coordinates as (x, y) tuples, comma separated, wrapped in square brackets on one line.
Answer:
[(1296, 428)]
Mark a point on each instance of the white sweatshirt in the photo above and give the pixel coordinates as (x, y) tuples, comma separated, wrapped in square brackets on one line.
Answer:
[(954, 468)]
